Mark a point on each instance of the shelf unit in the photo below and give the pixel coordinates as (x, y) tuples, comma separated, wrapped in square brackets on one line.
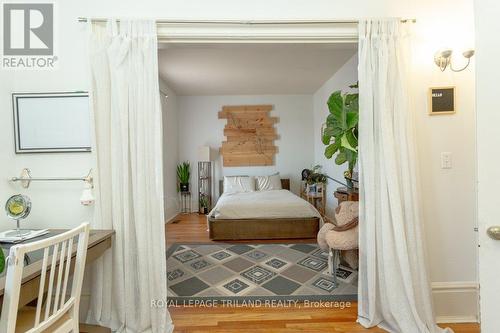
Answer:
[(317, 199), (204, 186)]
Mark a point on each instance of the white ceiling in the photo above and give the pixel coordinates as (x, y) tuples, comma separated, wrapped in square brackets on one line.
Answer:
[(250, 69)]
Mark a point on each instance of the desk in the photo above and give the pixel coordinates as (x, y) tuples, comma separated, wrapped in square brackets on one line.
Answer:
[(99, 242)]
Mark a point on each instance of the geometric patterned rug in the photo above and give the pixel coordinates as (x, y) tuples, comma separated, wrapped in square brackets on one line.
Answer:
[(255, 272)]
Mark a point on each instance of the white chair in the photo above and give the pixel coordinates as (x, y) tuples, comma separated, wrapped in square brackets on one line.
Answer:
[(59, 312)]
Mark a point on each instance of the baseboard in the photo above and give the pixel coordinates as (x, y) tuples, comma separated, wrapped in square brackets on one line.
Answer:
[(171, 218), (456, 320), (456, 302)]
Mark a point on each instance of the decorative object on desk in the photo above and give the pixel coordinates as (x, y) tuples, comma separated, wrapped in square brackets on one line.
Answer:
[(183, 175), (26, 178), (441, 100), (18, 207), (340, 132), (87, 198), (204, 179)]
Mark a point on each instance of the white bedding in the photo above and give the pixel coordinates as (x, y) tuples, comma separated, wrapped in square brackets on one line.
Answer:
[(262, 205)]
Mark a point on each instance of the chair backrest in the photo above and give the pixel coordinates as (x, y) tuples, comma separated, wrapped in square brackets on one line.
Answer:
[(57, 263)]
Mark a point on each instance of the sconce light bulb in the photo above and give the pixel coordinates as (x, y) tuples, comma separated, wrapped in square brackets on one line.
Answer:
[(468, 53), (446, 53)]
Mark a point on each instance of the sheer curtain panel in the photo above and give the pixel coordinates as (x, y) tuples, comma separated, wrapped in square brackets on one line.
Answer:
[(129, 197), (394, 290)]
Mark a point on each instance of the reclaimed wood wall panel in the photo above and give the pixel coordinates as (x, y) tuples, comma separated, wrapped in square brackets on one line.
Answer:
[(250, 135)]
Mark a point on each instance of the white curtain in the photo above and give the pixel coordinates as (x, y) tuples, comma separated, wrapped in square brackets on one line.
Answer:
[(394, 290), (129, 195)]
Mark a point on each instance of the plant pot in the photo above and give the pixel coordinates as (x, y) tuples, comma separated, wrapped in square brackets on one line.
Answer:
[(184, 187), (350, 183)]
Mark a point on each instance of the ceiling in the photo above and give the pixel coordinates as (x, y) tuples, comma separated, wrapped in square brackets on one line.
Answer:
[(250, 69)]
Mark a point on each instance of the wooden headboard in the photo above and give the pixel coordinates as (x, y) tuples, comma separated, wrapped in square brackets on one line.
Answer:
[(285, 184)]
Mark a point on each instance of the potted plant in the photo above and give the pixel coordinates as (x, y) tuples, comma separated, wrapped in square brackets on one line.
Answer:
[(340, 133), (203, 204), (183, 174), (314, 179)]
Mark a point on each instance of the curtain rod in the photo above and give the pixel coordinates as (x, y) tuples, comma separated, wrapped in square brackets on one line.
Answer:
[(249, 22)]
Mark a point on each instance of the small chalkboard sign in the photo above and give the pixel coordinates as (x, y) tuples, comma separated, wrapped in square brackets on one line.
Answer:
[(441, 100)]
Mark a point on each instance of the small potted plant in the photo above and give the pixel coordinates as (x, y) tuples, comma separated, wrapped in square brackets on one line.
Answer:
[(183, 174), (203, 204), (314, 179)]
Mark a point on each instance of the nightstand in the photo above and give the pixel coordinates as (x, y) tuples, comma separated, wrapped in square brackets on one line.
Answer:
[(345, 194)]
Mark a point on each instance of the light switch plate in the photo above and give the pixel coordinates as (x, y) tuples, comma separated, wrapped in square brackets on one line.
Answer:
[(446, 160)]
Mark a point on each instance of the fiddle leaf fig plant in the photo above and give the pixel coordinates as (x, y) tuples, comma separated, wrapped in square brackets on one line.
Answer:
[(340, 133)]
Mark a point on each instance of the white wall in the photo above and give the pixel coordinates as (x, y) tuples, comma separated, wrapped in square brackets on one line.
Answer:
[(199, 126), (170, 150), (55, 205), (449, 195), (341, 80)]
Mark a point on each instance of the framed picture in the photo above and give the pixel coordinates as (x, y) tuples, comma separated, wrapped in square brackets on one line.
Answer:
[(51, 122), (441, 100), (311, 189)]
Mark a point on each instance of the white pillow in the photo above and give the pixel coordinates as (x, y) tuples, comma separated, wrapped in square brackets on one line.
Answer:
[(235, 184), (266, 183)]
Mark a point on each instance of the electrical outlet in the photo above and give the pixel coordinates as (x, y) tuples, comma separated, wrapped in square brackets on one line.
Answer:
[(446, 160)]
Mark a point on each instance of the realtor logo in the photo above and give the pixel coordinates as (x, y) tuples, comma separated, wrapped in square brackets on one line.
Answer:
[(28, 36)]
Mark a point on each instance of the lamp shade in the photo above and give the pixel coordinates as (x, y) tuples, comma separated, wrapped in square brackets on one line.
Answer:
[(204, 154), (87, 197)]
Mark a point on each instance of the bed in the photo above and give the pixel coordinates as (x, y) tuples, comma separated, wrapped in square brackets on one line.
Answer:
[(263, 215)]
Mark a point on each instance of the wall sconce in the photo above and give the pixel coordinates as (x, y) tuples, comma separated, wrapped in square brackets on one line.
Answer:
[(443, 59), (87, 198)]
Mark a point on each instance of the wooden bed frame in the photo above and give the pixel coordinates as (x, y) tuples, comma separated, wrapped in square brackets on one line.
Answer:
[(254, 229)]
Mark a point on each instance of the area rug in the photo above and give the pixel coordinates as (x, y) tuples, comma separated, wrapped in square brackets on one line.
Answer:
[(255, 272)]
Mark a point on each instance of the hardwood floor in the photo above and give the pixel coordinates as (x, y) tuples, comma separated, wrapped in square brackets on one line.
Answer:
[(193, 228)]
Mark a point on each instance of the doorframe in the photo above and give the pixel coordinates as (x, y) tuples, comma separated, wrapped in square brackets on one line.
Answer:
[(227, 31), (296, 31)]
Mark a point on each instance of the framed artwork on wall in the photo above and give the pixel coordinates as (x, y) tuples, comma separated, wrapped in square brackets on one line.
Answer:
[(442, 100), (51, 122)]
